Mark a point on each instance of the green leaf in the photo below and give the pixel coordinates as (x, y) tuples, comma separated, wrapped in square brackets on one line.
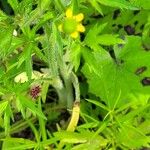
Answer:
[(75, 55), (70, 137), (28, 60), (128, 134), (98, 104), (46, 17), (42, 124), (75, 6), (123, 4), (20, 107), (14, 4), (145, 127), (143, 4), (88, 125), (83, 137), (96, 5), (109, 39), (94, 39), (44, 4), (16, 43), (132, 114), (6, 34), (35, 131), (34, 15), (109, 78), (7, 116), (3, 16), (95, 144), (92, 36), (39, 54), (30, 104), (18, 144), (3, 105)]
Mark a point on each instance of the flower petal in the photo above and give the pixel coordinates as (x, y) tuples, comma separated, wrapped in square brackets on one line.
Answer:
[(80, 28), (79, 17), (69, 13), (74, 34)]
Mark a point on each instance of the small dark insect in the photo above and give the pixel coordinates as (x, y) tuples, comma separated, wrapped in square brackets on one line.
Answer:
[(146, 81), (140, 70), (130, 30)]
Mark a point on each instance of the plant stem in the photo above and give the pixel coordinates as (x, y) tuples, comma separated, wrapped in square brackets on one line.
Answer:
[(69, 92)]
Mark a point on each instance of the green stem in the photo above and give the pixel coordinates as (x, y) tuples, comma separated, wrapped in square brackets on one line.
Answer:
[(62, 96), (50, 52), (69, 92), (42, 124), (76, 86)]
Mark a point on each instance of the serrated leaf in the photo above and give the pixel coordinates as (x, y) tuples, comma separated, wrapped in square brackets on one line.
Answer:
[(143, 4), (75, 55), (109, 39), (94, 39), (47, 16), (108, 77), (6, 34), (91, 37), (123, 4)]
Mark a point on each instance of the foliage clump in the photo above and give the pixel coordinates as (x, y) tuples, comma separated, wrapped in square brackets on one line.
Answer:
[(74, 74)]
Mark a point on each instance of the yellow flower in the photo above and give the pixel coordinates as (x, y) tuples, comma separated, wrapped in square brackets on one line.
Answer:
[(72, 24)]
